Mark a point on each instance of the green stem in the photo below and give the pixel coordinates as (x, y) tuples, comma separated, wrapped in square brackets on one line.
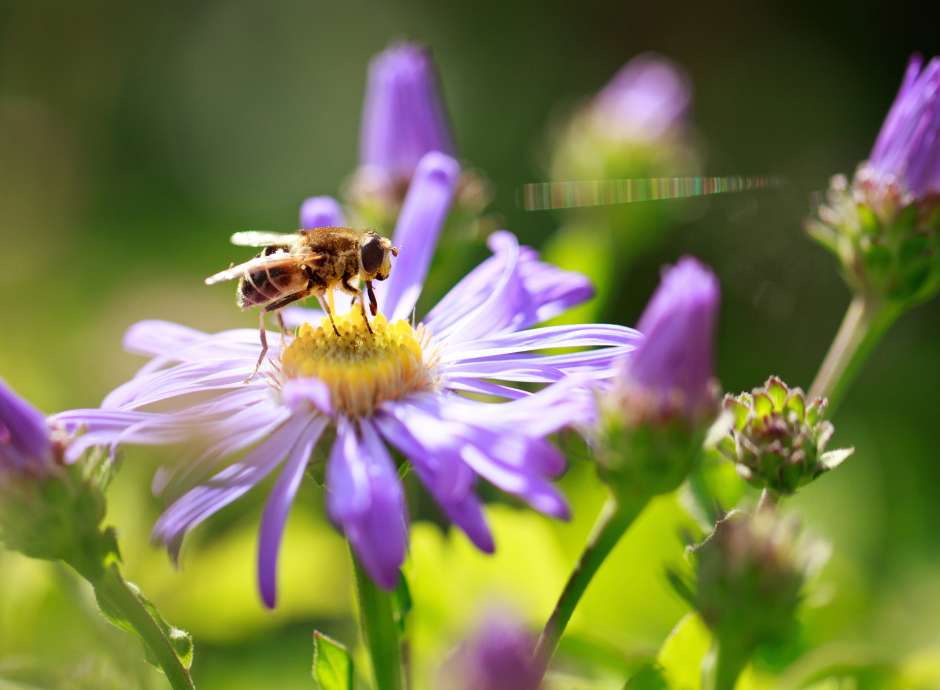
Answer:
[(379, 629), (865, 323), (114, 592), (722, 665), (612, 522)]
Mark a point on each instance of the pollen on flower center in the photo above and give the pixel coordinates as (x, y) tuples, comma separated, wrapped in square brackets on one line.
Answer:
[(361, 369)]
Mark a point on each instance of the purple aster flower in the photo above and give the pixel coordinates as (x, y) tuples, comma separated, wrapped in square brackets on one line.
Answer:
[(499, 656), (403, 116), (673, 364), (413, 388), (907, 151), (321, 212), (646, 99), (25, 445)]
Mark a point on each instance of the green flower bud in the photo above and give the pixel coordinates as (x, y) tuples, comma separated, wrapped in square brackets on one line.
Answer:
[(886, 240), (748, 577), (776, 440)]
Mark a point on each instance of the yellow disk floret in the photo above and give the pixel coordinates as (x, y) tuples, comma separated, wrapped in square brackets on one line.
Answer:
[(361, 369)]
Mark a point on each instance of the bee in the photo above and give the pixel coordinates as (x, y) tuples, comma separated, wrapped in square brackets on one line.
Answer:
[(314, 262)]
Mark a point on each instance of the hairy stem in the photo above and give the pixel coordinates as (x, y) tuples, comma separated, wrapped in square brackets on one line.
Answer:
[(612, 522), (115, 593), (865, 323), (379, 630)]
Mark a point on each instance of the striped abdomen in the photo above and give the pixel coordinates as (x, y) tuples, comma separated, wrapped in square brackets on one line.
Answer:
[(259, 288)]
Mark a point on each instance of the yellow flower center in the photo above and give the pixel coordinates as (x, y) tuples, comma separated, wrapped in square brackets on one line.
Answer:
[(361, 369)]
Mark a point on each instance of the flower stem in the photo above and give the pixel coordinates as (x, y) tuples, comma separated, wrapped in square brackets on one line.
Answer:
[(116, 594), (612, 522), (866, 321), (379, 629), (722, 665)]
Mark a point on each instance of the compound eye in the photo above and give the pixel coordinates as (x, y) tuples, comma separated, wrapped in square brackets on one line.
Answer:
[(372, 254)]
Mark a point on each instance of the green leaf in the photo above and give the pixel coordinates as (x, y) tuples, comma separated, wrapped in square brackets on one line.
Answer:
[(332, 665), (680, 657), (401, 602), (649, 677)]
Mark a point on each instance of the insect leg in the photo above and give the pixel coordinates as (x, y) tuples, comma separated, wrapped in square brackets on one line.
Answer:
[(283, 327), (362, 308), (329, 312), (373, 303), (264, 346)]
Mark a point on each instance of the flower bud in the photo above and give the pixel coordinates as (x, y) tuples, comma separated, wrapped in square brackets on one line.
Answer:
[(654, 418), (748, 577), (48, 509), (404, 118), (883, 227), (777, 441), (499, 656)]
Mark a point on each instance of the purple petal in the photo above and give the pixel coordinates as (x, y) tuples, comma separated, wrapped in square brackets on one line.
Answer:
[(419, 223), (227, 486), (314, 392), (297, 316), (436, 468), (24, 435), (549, 337), (508, 292), (321, 212), (275, 511), (368, 501)]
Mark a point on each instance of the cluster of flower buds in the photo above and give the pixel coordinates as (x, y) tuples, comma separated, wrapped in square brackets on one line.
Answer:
[(404, 118), (654, 418), (748, 577), (884, 226), (777, 440)]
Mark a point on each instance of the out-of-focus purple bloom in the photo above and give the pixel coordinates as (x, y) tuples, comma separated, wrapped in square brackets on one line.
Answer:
[(499, 656), (321, 212), (403, 116), (25, 446), (907, 151), (674, 362), (404, 387), (645, 100)]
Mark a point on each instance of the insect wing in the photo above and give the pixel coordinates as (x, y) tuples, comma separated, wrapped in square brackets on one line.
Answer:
[(251, 238), (259, 263)]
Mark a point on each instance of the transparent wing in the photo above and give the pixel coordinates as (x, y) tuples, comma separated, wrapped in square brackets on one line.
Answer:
[(276, 260), (251, 238)]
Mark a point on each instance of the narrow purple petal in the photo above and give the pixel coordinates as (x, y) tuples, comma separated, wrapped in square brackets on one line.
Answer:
[(275, 511), (462, 507), (321, 212), (368, 502), (25, 427), (297, 316), (419, 223), (548, 337), (297, 392)]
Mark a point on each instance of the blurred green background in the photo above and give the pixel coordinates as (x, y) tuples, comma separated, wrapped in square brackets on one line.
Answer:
[(135, 137)]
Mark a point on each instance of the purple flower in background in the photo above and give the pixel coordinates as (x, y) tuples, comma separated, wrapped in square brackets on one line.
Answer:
[(648, 98), (320, 212), (25, 445), (403, 116), (907, 151), (404, 387), (673, 364), (499, 656)]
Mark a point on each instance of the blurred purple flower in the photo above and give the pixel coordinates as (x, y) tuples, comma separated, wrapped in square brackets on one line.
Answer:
[(674, 361), (403, 116), (907, 151), (477, 340), (500, 656), (25, 445), (646, 99), (321, 212)]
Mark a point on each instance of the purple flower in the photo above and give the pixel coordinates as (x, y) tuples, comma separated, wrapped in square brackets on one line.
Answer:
[(673, 364), (500, 656), (907, 151), (646, 99), (405, 387), (403, 116), (321, 212), (25, 446)]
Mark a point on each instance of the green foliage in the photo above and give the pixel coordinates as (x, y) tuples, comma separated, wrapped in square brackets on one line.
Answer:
[(332, 665)]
